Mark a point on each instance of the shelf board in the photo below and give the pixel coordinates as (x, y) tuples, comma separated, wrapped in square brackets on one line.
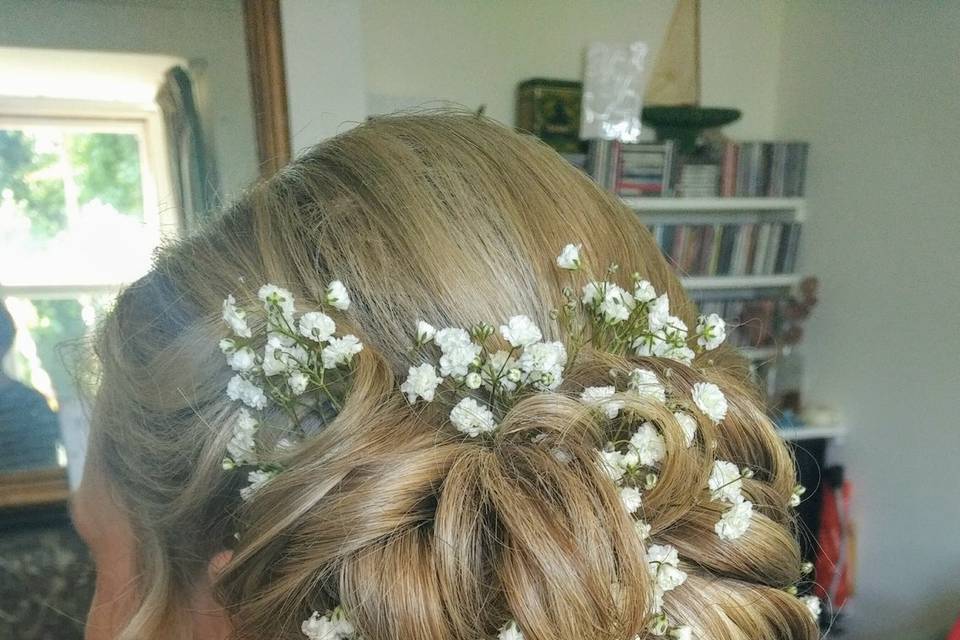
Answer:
[(775, 281), (796, 434), (793, 206), (758, 353)]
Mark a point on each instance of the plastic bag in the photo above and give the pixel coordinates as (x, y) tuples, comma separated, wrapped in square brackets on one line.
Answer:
[(613, 86)]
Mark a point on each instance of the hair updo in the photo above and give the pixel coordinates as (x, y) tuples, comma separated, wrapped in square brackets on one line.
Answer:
[(418, 531)]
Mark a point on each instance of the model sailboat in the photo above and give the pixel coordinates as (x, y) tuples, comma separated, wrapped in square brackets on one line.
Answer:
[(673, 92)]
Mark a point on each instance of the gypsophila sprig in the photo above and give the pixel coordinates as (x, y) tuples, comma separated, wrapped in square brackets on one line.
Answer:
[(333, 625), (298, 365), (478, 382), (726, 485)]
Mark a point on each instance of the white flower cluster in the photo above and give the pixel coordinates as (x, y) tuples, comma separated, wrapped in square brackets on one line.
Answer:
[(478, 380), (332, 626), (302, 363), (635, 318), (726, 484), (663, 562), (812, 603)]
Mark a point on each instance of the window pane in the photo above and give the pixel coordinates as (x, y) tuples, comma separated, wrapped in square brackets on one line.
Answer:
[(72, 207), (45, 359)]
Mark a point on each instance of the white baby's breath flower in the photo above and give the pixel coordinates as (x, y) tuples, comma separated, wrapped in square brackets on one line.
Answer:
[(644, 292), (611, 461), (812, 603), (631, 498), (329, 627), (451, 338), (473, 380), (642, 529), (735, 521), (421, 382), (666, 342), (227, 346), (663, 563), (456, 361), (688, 424), (510, 631), (569, 258), (646, 384), (682, 354), (274, 296), (317, 326), (337, 296), (601, 397), (681, 633), (340, 351), (497, 369), (242, 445), (710, 400), (282, 355), (725, 482), (711, 331), (520, 331), (658, 313), (592, 292), (243, 359), (676, 330), (459, 352), (797, 495), (235, 318), (298, 381), (663, 554), (425, 332), (543, 364), (472, 418), (318, 627), (616, 305), (256, 479), (246, 392), (648, 444)]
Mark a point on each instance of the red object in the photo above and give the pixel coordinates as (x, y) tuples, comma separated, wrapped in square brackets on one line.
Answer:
[(955, 632), (836, 543)]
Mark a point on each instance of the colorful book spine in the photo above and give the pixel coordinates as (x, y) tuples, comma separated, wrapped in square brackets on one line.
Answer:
[(729, 249)]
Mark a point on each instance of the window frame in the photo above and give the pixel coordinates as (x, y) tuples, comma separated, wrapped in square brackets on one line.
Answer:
[(144, 121)]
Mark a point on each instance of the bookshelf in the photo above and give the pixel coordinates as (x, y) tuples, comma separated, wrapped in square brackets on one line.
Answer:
[(826, 432), (793, 207), (734, 211), (773, 281)]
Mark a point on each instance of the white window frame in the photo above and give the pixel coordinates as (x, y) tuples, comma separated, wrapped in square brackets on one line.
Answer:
[(146, 122)]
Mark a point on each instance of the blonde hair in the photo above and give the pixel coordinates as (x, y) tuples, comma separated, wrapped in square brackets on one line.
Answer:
[(418, 531)]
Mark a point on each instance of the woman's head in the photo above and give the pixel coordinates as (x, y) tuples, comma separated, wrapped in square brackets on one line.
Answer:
[(418, 531)]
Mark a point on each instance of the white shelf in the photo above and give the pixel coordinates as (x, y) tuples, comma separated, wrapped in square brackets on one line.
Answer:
[(830, 432), (758, 353), (775, 281), (793, 207)]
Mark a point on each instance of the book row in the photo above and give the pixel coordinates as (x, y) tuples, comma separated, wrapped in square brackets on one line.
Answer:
[(763, 169), (729, 249), (731, 169)]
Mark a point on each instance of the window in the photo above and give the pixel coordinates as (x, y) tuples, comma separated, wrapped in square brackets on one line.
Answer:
[(80, 217)]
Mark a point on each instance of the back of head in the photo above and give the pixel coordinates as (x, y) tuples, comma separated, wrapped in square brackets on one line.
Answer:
[(415, 529)]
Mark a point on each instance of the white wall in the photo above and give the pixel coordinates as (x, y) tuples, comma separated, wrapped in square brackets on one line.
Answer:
[(473, 53), (209, 34), (323, 56), (876, 89)]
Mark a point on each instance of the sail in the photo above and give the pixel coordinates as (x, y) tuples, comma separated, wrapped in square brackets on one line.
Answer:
[(676, 76)]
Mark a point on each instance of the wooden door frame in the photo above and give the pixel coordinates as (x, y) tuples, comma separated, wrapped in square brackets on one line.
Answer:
[(268, 84)]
